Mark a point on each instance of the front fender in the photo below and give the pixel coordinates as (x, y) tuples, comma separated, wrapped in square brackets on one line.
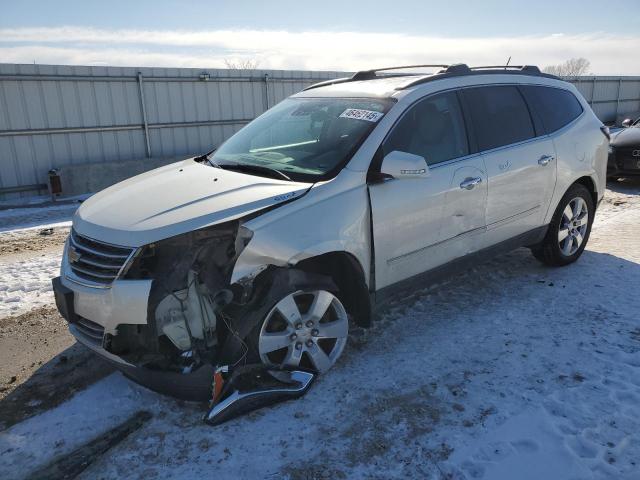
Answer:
[(319, 223)]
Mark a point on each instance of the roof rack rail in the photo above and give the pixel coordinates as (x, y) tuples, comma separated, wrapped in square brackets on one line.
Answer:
[(523, 68), (489, 69), (445, 71), (372, 74)]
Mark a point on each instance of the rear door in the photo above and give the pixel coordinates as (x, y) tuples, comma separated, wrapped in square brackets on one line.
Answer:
[(519, 157), (421, 223)]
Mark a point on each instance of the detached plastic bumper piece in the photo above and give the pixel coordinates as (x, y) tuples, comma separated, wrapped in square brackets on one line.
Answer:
[(252, 387)]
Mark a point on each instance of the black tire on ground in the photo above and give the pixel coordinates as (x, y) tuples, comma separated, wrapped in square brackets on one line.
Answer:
[(548, 251)]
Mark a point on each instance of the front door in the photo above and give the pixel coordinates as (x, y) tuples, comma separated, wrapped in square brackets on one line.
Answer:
[(421, 223)]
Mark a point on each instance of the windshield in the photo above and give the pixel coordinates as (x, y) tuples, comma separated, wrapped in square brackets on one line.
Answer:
[(308, 139)]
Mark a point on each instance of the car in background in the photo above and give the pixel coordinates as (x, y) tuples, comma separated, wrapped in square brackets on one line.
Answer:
[(624, 151)]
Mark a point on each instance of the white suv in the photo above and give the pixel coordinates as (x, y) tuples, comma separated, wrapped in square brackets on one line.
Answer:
[(266, 249)]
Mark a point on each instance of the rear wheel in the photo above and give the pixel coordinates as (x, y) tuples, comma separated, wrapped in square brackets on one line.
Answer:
[(569, 229)]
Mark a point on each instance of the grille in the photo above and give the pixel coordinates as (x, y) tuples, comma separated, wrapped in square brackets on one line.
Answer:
[(96, 262), (626, 154), (90, 330)]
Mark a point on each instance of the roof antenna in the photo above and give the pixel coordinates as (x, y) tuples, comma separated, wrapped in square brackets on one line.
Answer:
[(508, 62)]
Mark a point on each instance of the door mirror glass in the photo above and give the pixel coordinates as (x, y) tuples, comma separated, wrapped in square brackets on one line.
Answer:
[(627, 122), (399, 164)]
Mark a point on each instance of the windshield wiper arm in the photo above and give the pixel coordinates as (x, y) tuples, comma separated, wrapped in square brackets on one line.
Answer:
[(244, 167), (207, 158)]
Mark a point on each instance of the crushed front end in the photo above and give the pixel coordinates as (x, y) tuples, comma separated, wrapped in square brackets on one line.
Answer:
[(156, 311)]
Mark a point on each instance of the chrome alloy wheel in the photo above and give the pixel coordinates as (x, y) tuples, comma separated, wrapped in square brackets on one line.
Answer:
[(304, 329), (573, 226)]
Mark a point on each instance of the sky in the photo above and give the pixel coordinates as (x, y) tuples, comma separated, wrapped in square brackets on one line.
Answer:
[(321, 35)]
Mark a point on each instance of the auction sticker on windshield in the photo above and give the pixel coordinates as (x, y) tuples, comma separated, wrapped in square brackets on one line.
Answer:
[(357, 114)]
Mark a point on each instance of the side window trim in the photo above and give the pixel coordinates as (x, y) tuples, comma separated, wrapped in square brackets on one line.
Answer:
[(472, 141), (538, 125)]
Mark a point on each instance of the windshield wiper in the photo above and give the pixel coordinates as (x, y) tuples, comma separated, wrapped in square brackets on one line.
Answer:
[(207, 158), (244, 167)]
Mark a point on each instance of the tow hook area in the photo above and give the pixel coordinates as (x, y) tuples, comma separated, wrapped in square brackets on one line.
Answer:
[(251, 387)]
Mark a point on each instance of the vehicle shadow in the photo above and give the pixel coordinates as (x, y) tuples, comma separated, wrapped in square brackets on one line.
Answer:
[(69, 372), (603, 274), (629, 186)]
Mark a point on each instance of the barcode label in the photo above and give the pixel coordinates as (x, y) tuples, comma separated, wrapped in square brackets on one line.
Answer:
[(357, 114)]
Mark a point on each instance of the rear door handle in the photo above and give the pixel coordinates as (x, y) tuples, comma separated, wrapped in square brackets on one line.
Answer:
[(470, 182), (545, 159)]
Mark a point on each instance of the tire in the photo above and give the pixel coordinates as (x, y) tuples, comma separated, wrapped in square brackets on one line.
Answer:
[(299, 323), (567, 235)]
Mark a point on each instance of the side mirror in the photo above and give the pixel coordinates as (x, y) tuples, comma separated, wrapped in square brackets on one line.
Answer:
[(399, 164), (627, 122)]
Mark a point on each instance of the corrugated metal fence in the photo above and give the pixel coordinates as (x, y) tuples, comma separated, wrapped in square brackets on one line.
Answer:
[(610, 97), (53, 116)]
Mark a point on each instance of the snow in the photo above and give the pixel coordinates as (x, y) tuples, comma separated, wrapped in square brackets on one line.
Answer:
[(73, 423), (512, 370), (17, 219), (26, 283)]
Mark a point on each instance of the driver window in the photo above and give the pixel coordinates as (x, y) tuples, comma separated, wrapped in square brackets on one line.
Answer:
[(433, 128)]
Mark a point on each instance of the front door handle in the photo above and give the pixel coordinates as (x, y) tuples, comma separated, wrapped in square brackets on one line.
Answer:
[(545, 159), (470, 182)]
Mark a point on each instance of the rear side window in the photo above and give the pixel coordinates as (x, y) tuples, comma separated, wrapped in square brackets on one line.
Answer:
[(555, 106), (500, 116), (433, 128)]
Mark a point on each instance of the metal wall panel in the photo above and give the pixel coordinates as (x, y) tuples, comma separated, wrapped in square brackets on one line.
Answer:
[(611, 97), (56, 115)]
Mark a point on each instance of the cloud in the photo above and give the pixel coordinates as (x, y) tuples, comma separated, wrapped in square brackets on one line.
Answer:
[(609, 54)]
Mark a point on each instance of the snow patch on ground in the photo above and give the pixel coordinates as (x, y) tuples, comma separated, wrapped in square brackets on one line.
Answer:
[(17, 219), (26, 284), (32, 443)]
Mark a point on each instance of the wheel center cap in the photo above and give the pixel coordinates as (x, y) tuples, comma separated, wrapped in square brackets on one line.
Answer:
[(303, 333)]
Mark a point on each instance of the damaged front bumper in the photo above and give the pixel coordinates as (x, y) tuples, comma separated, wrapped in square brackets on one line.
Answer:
[(159, 322), (194, 385)]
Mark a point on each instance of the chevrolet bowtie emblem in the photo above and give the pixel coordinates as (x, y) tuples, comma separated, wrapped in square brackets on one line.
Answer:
[(73, 255)]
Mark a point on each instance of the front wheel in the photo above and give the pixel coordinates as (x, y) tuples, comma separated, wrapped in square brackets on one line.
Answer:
[(304, 329), (569, 229)]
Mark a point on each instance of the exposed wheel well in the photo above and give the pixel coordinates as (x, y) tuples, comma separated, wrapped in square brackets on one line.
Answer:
[(591, 186), (348, 275)]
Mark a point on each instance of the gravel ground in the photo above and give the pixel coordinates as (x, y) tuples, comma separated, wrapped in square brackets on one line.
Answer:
[(41, 365)]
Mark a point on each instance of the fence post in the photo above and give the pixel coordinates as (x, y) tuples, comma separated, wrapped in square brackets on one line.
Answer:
[(593, 92), (266, 92), (144, 115), (618, 97)]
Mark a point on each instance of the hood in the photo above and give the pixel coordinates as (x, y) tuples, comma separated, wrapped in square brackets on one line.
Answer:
[(626, 138), (176, 199)]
